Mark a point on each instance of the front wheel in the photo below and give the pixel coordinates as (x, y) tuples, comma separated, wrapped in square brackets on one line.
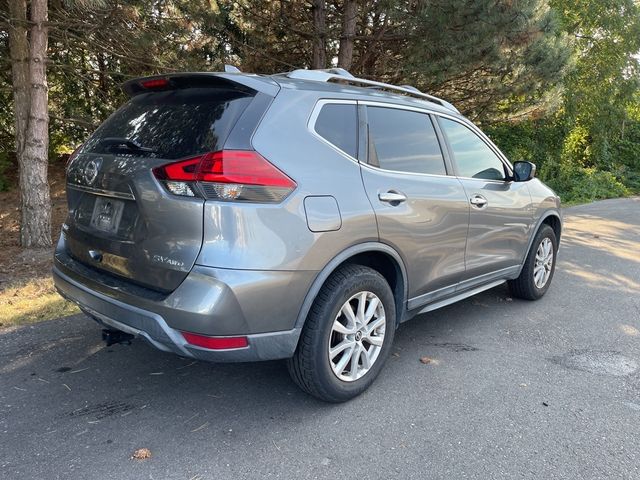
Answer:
[(347, 336), (538, 269)]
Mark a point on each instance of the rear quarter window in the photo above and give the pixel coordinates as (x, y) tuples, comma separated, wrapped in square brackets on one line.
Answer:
[(174, 124), (337, 123)]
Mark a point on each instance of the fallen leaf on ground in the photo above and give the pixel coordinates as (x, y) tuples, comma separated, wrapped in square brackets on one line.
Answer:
[(141, 454), (428, 360), (630, 330)]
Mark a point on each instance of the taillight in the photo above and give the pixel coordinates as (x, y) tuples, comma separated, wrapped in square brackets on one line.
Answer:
[(229, 175), (155, 83), (215, 343)]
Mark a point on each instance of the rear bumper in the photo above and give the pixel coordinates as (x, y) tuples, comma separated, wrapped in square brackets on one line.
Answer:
[(263, 306)]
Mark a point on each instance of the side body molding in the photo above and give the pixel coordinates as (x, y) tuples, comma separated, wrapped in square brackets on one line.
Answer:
[(340, 258)]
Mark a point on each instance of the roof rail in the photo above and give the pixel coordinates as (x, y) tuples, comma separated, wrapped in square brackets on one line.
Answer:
[(341, 74)]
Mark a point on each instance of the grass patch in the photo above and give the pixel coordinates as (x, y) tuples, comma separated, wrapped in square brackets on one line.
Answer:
[(32, 301)]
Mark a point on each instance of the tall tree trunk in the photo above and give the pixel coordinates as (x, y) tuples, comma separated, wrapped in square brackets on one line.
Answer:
[(349, 17), (319, 59), (35, 229), (102, 73), (19, 51)]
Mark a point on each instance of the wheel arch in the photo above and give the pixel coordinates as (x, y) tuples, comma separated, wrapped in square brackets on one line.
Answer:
[(554, 221), (551, 218), (380, 257)]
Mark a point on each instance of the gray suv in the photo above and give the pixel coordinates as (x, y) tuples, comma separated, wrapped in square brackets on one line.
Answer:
[(232, 217)]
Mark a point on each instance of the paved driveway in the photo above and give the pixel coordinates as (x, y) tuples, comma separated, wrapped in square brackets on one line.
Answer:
[(515, 389)]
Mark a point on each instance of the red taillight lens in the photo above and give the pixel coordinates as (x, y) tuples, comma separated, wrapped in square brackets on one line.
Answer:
[(155, 83), (243, 167), (186, 170), (215, 343), (230, 175)]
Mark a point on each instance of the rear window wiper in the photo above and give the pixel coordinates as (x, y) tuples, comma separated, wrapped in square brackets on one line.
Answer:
[(122, 143)]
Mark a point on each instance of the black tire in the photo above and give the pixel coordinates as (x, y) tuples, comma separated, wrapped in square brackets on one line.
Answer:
[(524, 286), (310, 366)]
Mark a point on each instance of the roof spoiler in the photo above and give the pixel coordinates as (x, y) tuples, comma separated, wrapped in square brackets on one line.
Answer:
[(248, 84)]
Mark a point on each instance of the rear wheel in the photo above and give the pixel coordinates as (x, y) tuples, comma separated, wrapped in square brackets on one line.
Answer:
[(538, 269), (347, 336)]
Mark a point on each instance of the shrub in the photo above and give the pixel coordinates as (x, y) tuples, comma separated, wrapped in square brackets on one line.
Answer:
[(579, 184), (568, 160)]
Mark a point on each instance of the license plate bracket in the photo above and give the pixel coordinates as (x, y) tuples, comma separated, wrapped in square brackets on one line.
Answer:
[(106, 215)]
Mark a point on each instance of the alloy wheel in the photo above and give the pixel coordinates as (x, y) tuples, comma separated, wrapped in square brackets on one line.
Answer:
[(357, 336), (544, 263)]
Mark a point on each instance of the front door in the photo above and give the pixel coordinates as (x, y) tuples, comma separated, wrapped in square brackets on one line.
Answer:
[(500, 209)]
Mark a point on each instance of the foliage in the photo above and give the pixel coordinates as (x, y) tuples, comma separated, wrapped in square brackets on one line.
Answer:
[(538, 141), (555, 82), (627, 153), (4, 166), (561, 156), (593, 149), (601, 90), (585, 184), (478, 53)]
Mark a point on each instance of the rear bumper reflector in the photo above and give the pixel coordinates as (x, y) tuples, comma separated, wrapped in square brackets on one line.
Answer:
[(215, 343)]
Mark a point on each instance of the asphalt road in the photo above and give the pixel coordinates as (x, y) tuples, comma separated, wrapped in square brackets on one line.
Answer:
[(515, 389)]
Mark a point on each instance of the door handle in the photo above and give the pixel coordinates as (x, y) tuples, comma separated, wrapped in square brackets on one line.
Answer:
[(478, 201), (392, 197)]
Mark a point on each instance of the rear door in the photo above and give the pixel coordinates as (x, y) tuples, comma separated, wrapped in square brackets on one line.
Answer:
[(500, 209), (421, 210), (121, 218)]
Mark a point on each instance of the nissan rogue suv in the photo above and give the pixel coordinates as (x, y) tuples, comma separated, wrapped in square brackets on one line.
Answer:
[(232, 217)]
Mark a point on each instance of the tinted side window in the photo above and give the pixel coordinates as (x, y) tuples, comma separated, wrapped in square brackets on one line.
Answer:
[(404, 141), (473, 157), (338, 124)]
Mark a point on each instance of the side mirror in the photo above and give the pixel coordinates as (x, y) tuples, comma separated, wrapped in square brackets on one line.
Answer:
[(523, 171)]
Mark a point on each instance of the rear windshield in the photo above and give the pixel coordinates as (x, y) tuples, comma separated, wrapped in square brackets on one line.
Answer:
[(173, 124)]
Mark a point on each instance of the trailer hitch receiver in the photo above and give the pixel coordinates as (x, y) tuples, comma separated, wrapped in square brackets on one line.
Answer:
[(112, 337)]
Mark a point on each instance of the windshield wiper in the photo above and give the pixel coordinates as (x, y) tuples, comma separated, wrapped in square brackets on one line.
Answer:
[(122, 143)]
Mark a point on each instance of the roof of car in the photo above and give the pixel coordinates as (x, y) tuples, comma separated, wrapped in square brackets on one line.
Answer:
[(360, 92), (341, 83), (339, 80)]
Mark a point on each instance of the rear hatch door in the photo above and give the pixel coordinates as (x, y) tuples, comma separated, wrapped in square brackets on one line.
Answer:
[(121, 219)]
